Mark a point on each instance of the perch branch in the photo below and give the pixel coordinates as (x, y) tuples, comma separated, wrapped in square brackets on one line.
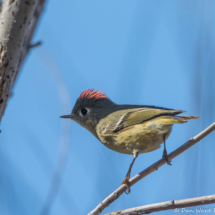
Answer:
[(118, 192), (162, 206)]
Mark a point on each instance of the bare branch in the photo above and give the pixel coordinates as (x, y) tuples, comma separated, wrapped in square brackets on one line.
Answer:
[(162, 206), (18, 20), (118, 192)]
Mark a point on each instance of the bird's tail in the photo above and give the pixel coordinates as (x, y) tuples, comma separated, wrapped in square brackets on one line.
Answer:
[(170, 120)]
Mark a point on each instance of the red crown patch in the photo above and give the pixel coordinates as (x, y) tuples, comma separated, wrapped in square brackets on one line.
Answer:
[(92, 93)]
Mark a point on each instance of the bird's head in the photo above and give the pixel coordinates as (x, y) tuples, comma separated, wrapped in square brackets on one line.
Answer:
[(90, 108)]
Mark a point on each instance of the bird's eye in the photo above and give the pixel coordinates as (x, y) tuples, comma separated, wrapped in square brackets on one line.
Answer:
[(84, 111)]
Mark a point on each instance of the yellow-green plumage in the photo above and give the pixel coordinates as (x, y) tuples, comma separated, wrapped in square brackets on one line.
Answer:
[(128, 129), (138, 130)]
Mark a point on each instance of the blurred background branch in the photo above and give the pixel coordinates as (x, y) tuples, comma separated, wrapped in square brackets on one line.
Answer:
[(18, 22), (63, 149)]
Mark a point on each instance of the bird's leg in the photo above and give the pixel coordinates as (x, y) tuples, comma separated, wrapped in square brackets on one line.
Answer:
[(165, 156), (127, 177)]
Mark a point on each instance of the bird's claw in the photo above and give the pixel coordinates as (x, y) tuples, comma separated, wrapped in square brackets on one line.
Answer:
[(127, 184), (165, 156)]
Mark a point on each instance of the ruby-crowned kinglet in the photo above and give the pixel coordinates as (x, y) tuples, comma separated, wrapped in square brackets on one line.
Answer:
[(128, 129)]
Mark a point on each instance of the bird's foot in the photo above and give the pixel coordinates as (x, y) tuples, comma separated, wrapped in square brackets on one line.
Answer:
[(165, 156), (127, 184)]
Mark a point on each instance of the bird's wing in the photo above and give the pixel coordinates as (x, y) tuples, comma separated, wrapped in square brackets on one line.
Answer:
[(136, 116)]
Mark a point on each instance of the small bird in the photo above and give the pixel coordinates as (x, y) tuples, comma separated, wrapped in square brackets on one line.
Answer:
[(128, 129)]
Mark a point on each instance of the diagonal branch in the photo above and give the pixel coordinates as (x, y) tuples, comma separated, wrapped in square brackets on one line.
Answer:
[(118, 192), (18, 21), (174, 204)]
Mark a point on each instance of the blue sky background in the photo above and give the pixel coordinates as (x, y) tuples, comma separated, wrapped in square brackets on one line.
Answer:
[(137, 52)]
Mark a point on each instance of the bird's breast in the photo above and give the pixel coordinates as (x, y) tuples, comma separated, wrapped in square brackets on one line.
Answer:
[(144, 137)]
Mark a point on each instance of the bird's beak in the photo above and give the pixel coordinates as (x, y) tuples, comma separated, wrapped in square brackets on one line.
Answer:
[(66, 116), (71, 116)]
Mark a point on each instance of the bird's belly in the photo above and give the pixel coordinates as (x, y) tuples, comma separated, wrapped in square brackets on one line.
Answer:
[(143, 138)]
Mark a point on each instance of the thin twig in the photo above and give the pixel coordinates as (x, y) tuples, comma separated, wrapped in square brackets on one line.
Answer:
[(162, 206), (34, 45), (118, 192)]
